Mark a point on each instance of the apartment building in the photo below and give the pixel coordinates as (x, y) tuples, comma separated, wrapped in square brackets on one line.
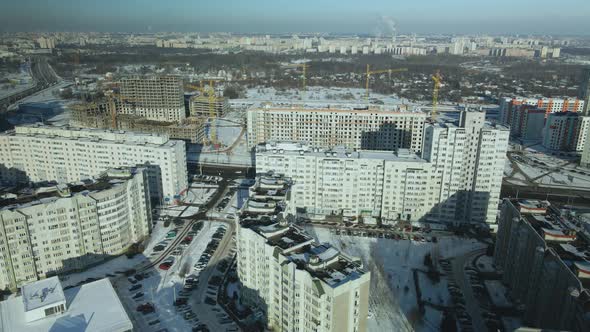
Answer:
[(457, 179), (585, 160), (296, 283), (100, 116), (374, 129), (159, 98), (200, 106), (67, 154), (542, 252), (468, 159), (59, 228), (527, 123), (566, 131), (551, 105), (584, 91)]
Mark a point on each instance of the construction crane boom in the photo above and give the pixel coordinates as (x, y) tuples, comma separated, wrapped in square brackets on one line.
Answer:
[(437, 78), (381, 71), (303, 67)]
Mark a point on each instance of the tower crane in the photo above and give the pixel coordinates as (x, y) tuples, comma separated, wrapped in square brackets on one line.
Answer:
[(382, 71), (437, 78), (209, 91), (303, 67)]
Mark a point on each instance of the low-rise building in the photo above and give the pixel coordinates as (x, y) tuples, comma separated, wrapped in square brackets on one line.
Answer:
[(44, 306), (542, 251), (298, 284), (52, 229)]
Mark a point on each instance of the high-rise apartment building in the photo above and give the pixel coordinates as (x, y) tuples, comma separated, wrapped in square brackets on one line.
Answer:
[(159, 98), (542, 252), (527, 123), (509, 105), (66, 154), (61, 228), (372, 129), (584, 93), (566, 131), (468, 160), (457, 179), (298, 284), (585, 160)]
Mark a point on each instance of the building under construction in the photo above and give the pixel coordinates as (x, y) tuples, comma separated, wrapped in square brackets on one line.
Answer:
[(101, 115), (202, 106)]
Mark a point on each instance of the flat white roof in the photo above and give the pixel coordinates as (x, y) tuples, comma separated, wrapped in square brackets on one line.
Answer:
[(42, 293), (93, 307)]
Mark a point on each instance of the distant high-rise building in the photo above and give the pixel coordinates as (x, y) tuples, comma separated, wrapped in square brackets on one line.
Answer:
[(566, 131), (159, 98), (584, 93), (508, 105), (527, 123)]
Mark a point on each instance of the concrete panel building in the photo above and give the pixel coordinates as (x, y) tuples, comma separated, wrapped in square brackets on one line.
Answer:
[(527, 123), (66, 154), (566, 131), (159, 98), (551, 105), (457, 179), (200, 106), (296, 283), (372, 129), (60, 228), (542, 251)]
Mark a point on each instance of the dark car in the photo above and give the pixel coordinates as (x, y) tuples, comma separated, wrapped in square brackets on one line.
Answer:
[(146, 308), (138, 295), (135, 287)]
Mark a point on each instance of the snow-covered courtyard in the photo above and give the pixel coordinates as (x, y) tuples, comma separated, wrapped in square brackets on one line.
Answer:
[(391, 263)]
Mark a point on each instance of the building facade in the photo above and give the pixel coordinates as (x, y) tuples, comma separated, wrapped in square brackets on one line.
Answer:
[(457, 179), (55, 229), (159, 98), (566, 131), (527, 123), (373, 129), (468, 159), (200, 106), (551, 105), (296, 283), (541, 255), (66, 154)]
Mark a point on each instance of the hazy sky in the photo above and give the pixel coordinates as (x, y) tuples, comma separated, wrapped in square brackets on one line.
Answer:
[(275, 16)]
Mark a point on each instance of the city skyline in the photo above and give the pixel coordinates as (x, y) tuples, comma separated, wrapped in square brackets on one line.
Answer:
[(377, 18)]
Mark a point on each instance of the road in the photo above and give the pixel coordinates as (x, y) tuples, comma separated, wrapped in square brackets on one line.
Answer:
[(567, 196), (471, 303)]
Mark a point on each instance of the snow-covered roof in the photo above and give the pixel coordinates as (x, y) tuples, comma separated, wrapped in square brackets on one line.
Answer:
[(92, 307), (42, 293)]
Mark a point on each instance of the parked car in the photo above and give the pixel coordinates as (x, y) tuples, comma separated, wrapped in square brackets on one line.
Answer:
[(134, 287)]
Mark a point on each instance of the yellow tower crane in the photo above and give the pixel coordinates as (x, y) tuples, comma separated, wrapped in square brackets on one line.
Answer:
[(303, 67), (209, 92), (382, 71), (111, 97), (437, 78)]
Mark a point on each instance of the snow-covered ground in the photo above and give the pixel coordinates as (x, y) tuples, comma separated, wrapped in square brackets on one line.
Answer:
[(391, 263), (43, 106)]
